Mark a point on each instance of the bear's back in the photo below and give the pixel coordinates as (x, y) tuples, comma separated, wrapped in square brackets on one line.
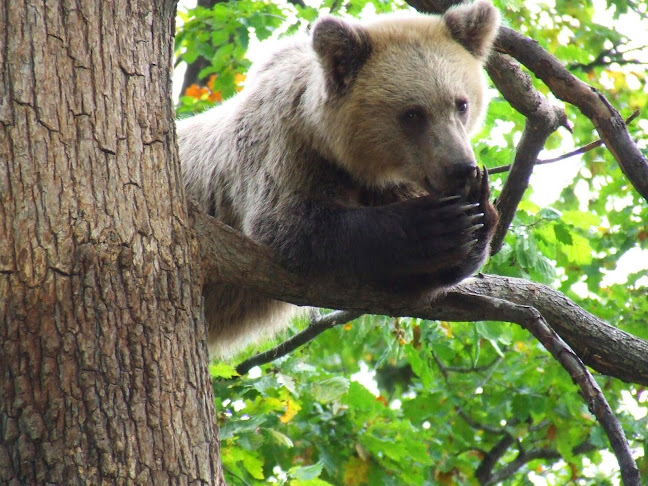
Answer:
[(259, 144)]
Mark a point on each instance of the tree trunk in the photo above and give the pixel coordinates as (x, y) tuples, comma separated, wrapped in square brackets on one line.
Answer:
[(102, 355)]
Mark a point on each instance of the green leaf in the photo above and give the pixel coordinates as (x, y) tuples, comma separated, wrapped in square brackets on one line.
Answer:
[(563, 234), (360, 399), (279, 438), (222, 370), (330, 389), (306, 473), (549, 214)]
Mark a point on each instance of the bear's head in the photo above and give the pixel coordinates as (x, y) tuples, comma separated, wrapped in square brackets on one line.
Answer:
[(405, 92)]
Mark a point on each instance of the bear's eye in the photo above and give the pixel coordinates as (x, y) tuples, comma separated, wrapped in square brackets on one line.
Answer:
[(462, 106), (414, 119)]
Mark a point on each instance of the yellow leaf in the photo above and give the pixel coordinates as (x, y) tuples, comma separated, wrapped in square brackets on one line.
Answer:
[(292, 408), (356, 472), (239, 78), (446, 328)]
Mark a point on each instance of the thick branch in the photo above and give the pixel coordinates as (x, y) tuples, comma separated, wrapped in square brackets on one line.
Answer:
[(230, 257), (590, 102)]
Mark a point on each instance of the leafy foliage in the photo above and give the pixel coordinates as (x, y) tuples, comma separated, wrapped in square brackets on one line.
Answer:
[(446, 394)]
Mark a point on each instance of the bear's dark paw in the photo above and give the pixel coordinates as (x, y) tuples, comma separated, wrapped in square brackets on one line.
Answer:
[(456, 234), (479, 193), (441, 232)]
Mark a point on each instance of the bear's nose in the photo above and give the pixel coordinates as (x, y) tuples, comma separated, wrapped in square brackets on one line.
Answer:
[(461, 172)]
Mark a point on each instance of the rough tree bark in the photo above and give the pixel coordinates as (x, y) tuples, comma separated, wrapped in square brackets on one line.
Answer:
[(102, 355)]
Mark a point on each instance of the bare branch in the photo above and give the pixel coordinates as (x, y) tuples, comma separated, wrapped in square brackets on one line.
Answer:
[(581, 150), (317, 326)]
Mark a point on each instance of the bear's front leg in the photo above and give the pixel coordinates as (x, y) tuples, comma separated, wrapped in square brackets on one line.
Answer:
[(392, 245)]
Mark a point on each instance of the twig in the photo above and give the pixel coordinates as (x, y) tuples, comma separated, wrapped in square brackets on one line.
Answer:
[(317, 326), (581, 150), (475, 369), (467, 418), (241, 480), (614, 57)]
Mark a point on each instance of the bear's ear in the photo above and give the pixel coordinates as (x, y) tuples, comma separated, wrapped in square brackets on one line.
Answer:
[(342, 49), (474, 26)]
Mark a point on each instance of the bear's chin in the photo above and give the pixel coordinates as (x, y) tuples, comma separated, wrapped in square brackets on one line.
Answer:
[(427, 186), (457, 190)]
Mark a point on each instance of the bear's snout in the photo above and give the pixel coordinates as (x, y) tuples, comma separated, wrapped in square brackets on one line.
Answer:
[(461, 172), (460, 178)]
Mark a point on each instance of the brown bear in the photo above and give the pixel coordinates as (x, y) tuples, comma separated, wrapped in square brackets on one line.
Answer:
[(348, 154)]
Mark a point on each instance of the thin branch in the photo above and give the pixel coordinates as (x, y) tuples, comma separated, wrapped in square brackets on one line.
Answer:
[(476, 369), (467, 418), (542, 119), (484, 471), (524, 457), (317, 326), (235, 476), (613, 55), (534, 322), (472, 423), (581, 150), (590, 101), (608, 62)]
